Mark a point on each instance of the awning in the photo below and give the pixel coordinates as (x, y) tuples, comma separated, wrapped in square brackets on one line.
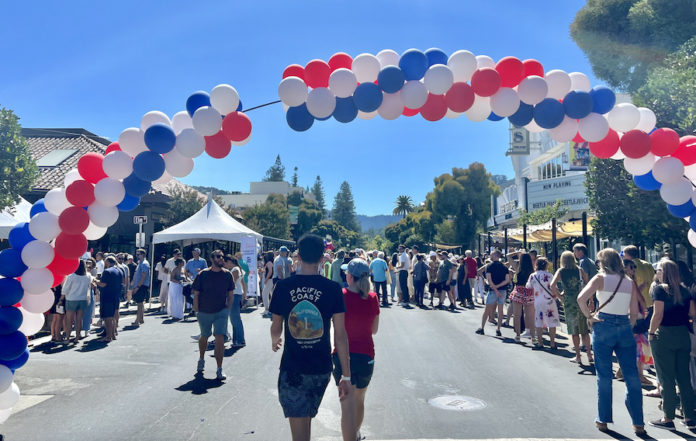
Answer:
[(543, 232)]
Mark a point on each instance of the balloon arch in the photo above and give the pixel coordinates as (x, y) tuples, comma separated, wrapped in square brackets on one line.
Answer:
[(430, 83)]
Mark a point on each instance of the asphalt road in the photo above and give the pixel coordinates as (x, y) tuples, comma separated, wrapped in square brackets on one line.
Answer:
[(142, 387)]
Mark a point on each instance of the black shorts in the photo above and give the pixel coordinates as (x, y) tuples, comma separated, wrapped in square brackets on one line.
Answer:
[(361, 368), (107, 309), (141, 294), (300, 394), (433, 287)]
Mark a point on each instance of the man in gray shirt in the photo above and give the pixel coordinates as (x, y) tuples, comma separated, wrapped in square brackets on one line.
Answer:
[(282, 265), (585, 263), (336, 267)]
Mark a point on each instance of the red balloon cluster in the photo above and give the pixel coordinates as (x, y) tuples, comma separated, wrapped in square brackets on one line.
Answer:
[(90, 167), (686, 151), (217, 146), (664, 142), (511, 71), (316, 73), (80, 193), (73, 220), (485, 81), (71, 246), (114, 146), (435, 108), (460, 97), (607, 147), (635, 144), (532, 67), (236, 126)]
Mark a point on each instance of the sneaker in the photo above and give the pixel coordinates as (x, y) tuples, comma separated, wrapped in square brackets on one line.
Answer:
[(479, 331), (669, 425), (201, 365), (689, 424), (220, 375), (526, 334)]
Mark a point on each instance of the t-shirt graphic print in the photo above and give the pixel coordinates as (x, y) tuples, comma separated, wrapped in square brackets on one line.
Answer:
[(305, 322)]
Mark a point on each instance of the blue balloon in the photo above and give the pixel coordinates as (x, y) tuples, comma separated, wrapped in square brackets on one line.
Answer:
[(299, 118), (578, 104), (37, 208), (11, 264), (197, 100), (12, 345), (323, 119), (682, 210), (160, 138), (11, 292), (148, 166), (414, 64), (523, 116), (128, 203), (18, 362), (494, 117), (240, 106), (10, 319), (646, 182), (346, 110), (436, 56), (603, 99), (135, 186), (692, 222), (20, 235), (368, 97), (549, 113), (391, 79)]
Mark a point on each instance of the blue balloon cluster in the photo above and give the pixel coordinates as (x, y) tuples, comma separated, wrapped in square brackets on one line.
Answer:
[(11, 264), (436, 56), (197, 100), (17, 362), (160, 138), (299, 118), (368, 97), (391, 79), (20, 235), (12, 346), (682, 210), (346, 110), (147, 166), (647, 182), (10, 319), (135, 186), (523, 116), (578, 104), (603, 99), (11, 292), (549, 113), (414, 64), (37, 208), (129, 203)]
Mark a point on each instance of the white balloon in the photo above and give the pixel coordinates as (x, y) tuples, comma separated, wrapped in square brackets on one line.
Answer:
[(484, 61), (242, 142), (101, 215), (438, 79), (37, 303), (668, 170), (180, 121), (463, 65), (451, 114), (593, 128), (532, 90), (224, 98), (387, 57), (36, 280), (414, 94), (31, 322), (480, 110), (321, 102), (292, 91), (70, 177), (6, 375), (579, 81), (647, 120), (505, 102), (177, 165), (366, 68), (109, 192), (689, 172), (391, 107), (639, 166), (132, 141), (618, 156), (9, 397), (559, 84), (44, 226), (5, 414), (154, 117), (207, 121), (691, 235), (623, 117), (565, 131), (367, 115), (55, 201), (37, 254), (676, 193), (342, 82), (533, 127), (190, 143), (94, 232), (117, 165)]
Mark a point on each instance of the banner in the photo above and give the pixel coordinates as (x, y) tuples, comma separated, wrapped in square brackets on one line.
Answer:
[(249, 256)]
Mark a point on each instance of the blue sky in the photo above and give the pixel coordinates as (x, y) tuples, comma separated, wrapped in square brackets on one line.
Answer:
[(101, 66)]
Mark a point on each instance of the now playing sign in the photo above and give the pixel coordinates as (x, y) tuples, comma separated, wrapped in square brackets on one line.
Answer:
[(139, 219)]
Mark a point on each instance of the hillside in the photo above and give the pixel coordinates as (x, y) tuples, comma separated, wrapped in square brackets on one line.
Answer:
[(376, 222)]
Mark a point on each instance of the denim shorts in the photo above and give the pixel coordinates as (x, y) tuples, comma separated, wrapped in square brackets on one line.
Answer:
[(300, 394), (361, 368), (76, 305), (493, 299), (213, 323)]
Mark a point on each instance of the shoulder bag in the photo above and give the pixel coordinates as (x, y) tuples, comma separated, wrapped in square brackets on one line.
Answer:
[(594, 315)]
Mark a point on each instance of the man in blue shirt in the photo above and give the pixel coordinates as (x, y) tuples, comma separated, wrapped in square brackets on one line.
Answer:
[(110, 289), (196, 264), (141, 286), (379, 268)]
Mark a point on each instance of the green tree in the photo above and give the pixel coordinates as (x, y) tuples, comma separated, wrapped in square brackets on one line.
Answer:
[(185, 202), (276, 172), (404, 205), (446, 234), (294, 177), (542, 215), (318, 192), (270, 219), (341, 236), (19, 171), (295, 198), (344, 208), (275, 198), (308, 216)]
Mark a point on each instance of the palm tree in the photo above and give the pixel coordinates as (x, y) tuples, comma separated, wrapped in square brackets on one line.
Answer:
[(404, 205)]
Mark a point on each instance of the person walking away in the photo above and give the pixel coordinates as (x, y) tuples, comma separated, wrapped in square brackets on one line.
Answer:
[(282, 265), (213, 291), (141, 286), (379, 268), (471, 267), (545, 308), (303, 309), (444, 277), (522, 298), (240, 292), (403, 267), (177, 278), (110, 289), (463, 290), (640, 331), (671, 344), (267, 282), (572, 278), (336, 267), (58, 314), (498, 278), (362, 322), (420, 278), (164, 283), (612, 332), (76, 293)]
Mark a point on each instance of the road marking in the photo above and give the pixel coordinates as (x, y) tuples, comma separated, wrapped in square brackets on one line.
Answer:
[(27, 401)]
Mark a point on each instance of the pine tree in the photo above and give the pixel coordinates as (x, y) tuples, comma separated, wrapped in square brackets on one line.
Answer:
[(318, 192), (276, 172), (294, 177), (344, 208), (17, 167)]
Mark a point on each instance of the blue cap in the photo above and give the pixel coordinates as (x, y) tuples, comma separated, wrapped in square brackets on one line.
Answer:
[(357, 268)]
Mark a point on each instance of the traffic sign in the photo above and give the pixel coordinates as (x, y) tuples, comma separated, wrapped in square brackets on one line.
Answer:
[(139, 219)]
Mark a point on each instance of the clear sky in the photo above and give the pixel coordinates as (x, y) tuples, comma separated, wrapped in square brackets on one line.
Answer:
[(102, 65)]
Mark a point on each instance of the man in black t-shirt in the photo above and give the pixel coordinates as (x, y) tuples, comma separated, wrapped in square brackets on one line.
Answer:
[(304, 305), (498, 277), (110, 289)]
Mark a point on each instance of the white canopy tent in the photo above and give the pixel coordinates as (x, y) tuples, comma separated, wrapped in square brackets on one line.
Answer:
[(9, 217)]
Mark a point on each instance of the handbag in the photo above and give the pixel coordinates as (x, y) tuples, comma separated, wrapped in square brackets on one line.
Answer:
[(594, 314)]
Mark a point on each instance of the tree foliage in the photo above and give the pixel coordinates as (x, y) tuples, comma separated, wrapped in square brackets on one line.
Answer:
[(318, 192), (270, 218), (344, 208), (404, 205), (18, 168), (184, 203), (294, 177), (542, 215), (341, 236), (308, 216), (276, 172)]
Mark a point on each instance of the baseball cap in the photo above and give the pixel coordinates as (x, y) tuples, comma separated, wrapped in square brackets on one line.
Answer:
[(357, 268), (283, 249)]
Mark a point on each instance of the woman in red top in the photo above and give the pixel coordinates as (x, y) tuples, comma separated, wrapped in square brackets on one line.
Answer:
[(362, 322)]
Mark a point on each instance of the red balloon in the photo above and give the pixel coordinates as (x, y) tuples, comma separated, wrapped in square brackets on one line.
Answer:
[(580, 139), (294, 70), (236, 126), (57, 280), (71, 246), (532, 67), (607, 147), (340, 60), (114, 146), (485, 81), (511, 71), (435, 108), (62, 266), (317, 74), (664, 142), (80, 193), (90, 167), (410, 112), (635, 144), (686, 152), (217, 146), (460, 97), (73, 220)]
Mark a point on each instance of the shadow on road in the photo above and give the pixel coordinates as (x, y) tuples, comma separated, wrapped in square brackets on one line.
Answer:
[(199, 385), (93, 345), (230, 351), (51, 347)]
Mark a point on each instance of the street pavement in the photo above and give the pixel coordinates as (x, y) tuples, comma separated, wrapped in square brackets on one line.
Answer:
[(434, 379)]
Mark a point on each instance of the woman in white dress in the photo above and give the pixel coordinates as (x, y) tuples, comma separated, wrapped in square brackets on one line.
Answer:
[(164, 283), (545, 308), (175, 308)]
